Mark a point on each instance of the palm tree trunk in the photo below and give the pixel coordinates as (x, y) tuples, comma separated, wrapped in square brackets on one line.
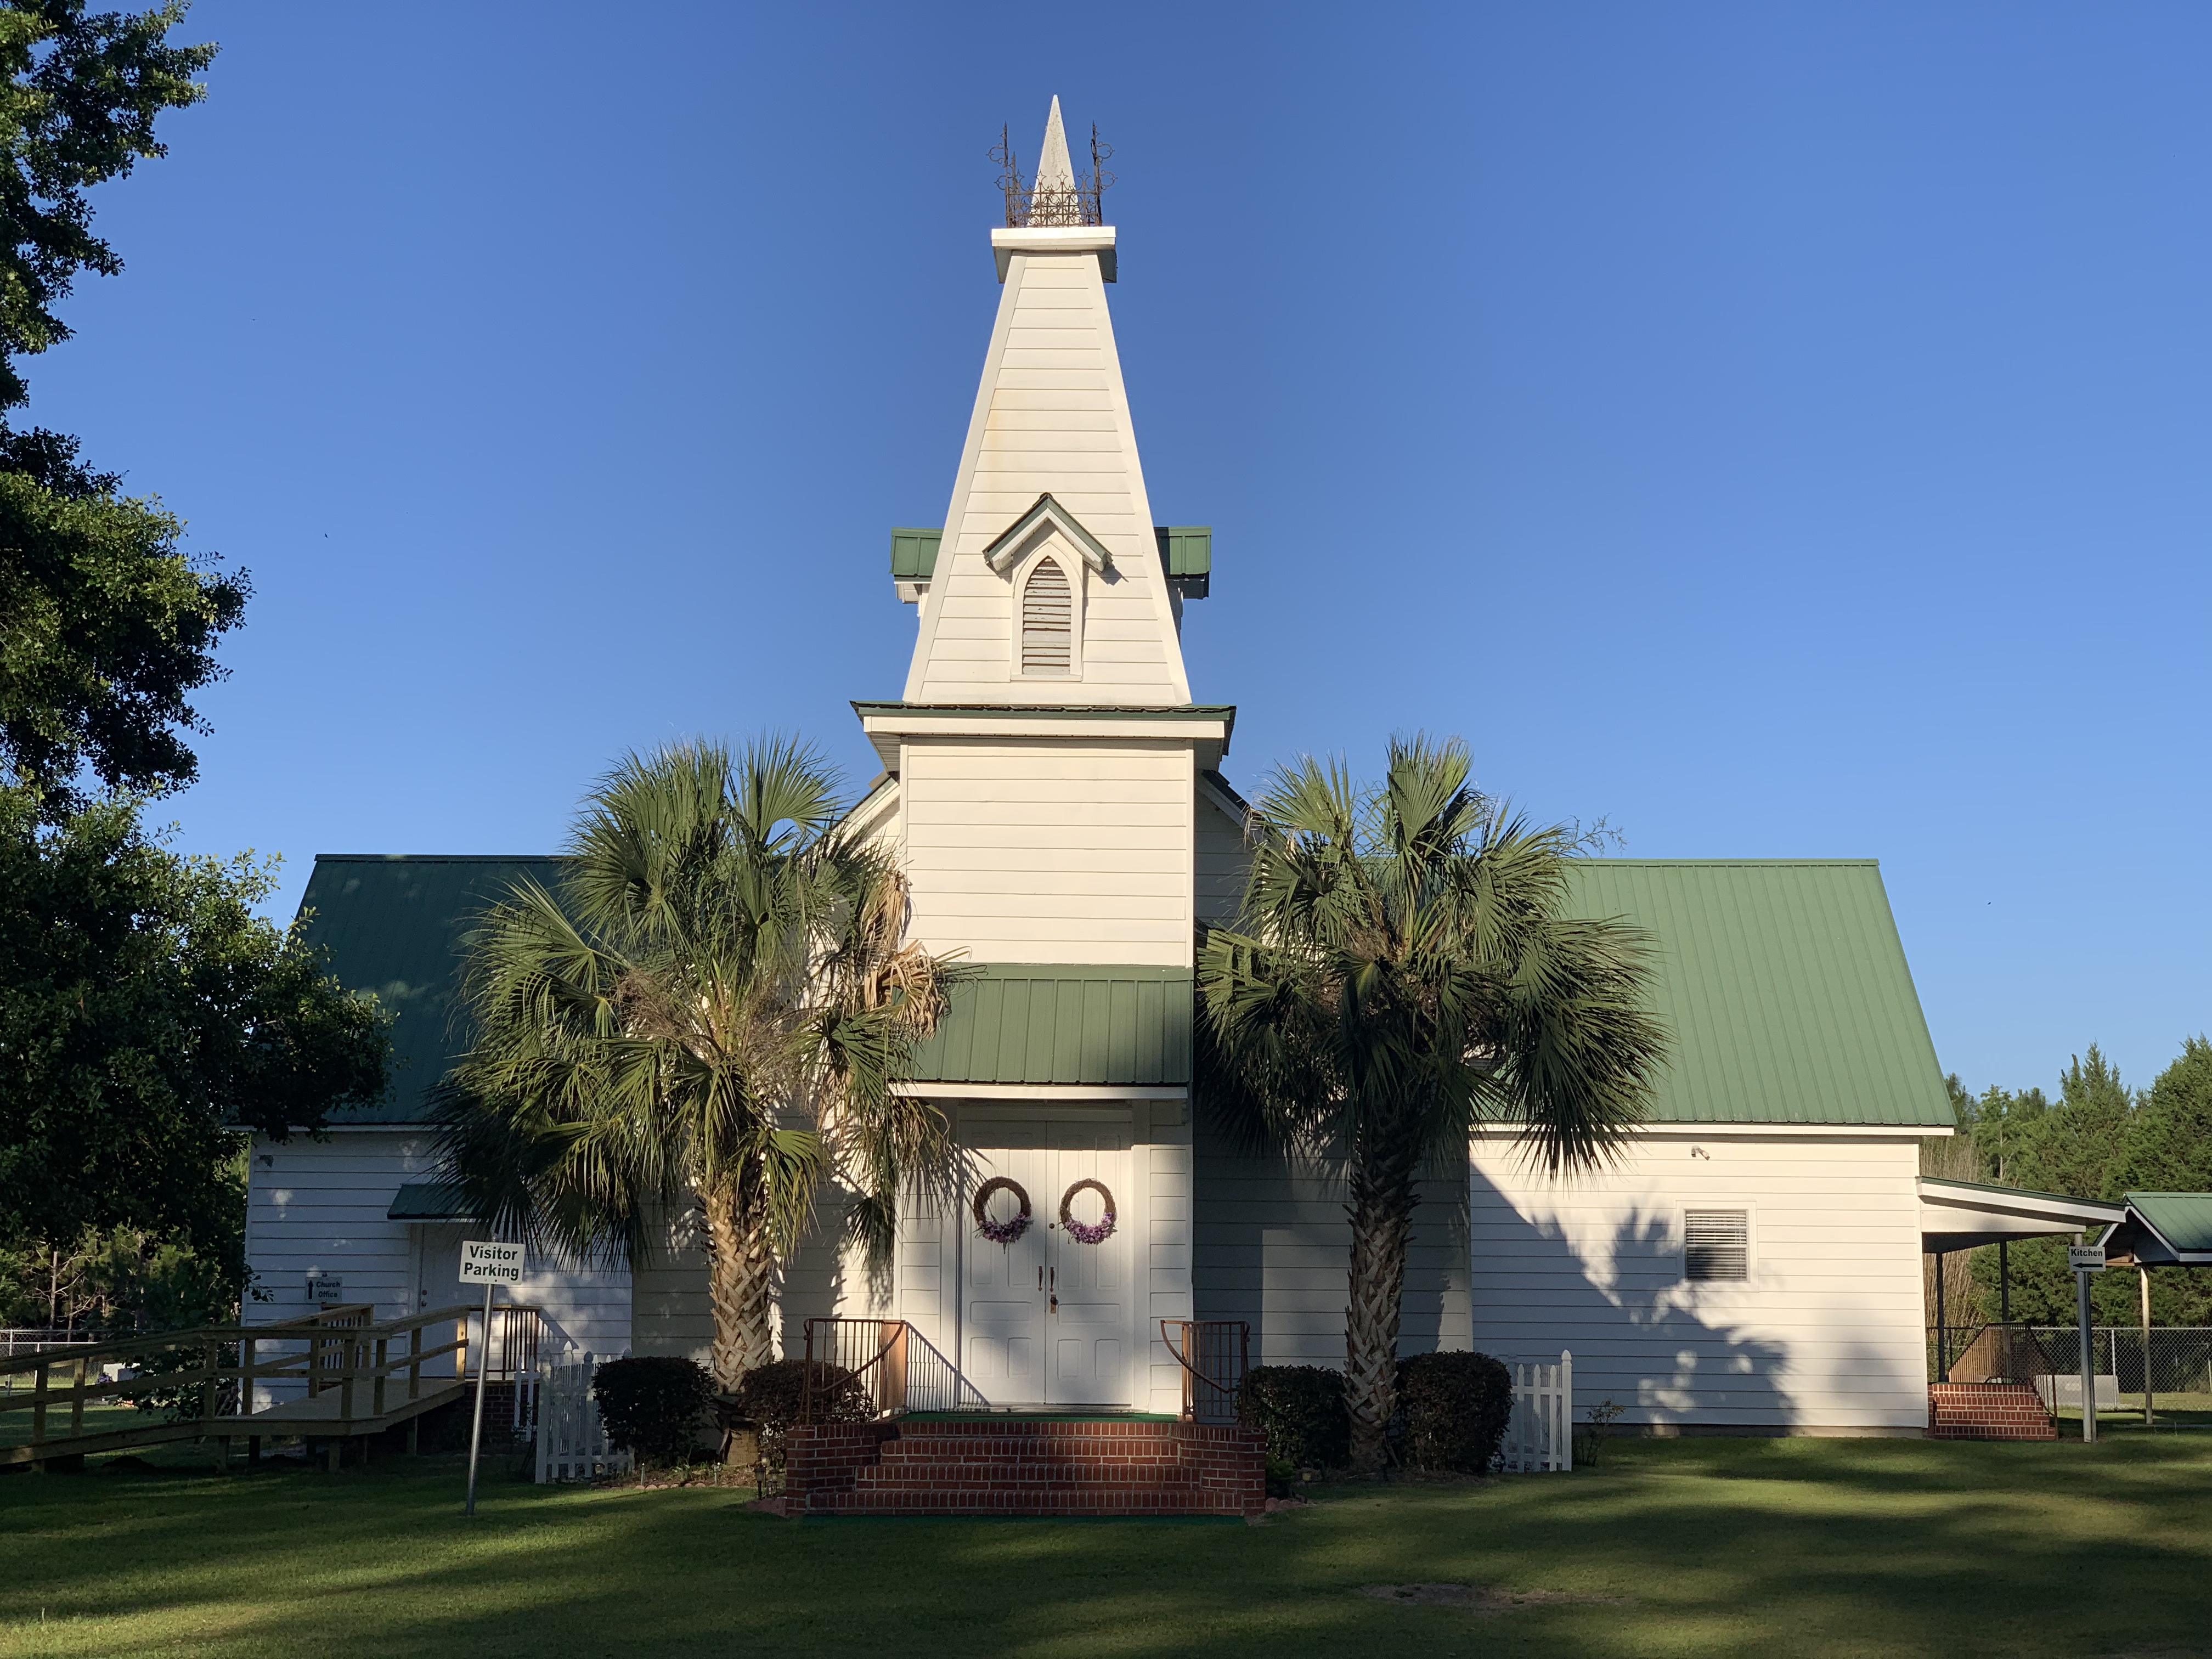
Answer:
[(1382, 1210), (740, 1274)]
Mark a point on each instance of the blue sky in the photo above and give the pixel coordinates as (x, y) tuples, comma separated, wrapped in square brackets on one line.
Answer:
[(1781, 430)]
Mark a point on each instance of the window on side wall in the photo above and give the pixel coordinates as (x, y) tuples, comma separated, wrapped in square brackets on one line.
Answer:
[(1717, 1245)]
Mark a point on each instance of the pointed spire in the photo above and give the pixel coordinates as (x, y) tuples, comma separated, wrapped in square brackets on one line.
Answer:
[(1056, 172)]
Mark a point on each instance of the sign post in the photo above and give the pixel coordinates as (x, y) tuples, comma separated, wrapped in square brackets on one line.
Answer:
[(2086, 1259), (492, 1265)]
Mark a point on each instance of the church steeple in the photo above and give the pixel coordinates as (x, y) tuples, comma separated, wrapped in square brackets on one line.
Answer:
[(1049, 489), (1056, 173)]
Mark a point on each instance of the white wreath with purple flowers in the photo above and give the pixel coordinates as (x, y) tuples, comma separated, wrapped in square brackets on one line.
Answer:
[(1087, 1232), (1006, 1232)]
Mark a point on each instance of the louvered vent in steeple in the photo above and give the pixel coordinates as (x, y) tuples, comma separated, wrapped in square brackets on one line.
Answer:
[(1048, 614)]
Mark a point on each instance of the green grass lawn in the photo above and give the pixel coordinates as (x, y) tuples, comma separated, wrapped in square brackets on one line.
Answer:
[(1808, 1547)]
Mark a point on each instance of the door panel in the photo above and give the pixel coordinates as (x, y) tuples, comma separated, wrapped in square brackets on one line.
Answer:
[(438, 1283), (1090, 1282), (1006, 1293), (1047, 1317)]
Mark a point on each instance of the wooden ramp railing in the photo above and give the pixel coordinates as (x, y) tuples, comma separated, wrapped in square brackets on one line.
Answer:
[(355, 1376)]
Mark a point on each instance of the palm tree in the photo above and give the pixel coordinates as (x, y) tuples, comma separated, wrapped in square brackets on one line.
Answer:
[(713, 1001), (1401, 970)]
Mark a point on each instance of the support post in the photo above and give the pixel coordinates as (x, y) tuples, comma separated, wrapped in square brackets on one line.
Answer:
[(2143, 1275), (1942, 1329), (2089, 1358), (211, 1388), (483, 1370), (39, 1385)]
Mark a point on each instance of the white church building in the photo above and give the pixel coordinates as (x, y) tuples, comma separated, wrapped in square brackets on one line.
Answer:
[(1057, 795)]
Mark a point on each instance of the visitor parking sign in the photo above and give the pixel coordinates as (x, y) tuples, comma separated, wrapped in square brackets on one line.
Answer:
[(483, 1262)]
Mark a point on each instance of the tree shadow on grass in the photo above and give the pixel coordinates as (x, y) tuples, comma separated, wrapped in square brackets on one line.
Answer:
[(1808, 1548)]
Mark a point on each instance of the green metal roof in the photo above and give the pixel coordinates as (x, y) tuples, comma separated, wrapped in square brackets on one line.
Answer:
[(393, 925), (1785, 987), (914, 553), (430, 1201), (1063, 1023), (2184, 1220), (1782, 981)]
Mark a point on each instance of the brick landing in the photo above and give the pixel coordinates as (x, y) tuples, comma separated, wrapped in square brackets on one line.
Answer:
[(1025, 1466), (1987, 1411)]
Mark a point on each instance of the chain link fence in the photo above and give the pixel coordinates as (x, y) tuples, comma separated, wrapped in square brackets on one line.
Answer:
[(2175, 1360)]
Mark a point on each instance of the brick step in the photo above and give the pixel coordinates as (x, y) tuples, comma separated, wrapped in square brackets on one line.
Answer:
[(1075, 1458), (1088, 1501), (1987, 1411), (1026, 1466), (1027, 1480)]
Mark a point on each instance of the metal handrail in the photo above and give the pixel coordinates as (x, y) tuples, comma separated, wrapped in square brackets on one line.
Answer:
[(885, 1388), (1205, 1398), (905, 1372)]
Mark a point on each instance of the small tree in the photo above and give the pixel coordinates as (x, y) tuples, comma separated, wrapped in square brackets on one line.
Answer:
[(713, 1002), (1405, 966)]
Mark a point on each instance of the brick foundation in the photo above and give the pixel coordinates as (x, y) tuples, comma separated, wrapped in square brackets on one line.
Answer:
[(1025, 1466)]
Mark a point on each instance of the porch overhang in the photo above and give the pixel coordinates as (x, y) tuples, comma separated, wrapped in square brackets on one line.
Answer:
[(2162, 1230), (430, 1200), (1959, 1215), (1061, 1024)]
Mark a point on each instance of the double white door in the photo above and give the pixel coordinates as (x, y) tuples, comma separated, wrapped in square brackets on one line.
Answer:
[(1047, 1316)]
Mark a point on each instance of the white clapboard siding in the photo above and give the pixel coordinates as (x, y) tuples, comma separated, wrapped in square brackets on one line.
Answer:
[(1167, 1166), (1051, 418), (1221, 859), (670, 1315), (1825, 1333), (1272, 1248), (1050, 850), (318, 1207)]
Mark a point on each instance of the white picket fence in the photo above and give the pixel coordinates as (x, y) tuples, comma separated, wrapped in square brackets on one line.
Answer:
[(1539, 1438), (572, 1442)]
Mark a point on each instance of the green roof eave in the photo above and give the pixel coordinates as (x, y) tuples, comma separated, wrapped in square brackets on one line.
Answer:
[(430, 1200)]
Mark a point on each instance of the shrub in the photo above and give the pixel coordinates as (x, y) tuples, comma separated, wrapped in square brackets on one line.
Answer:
[(652, 1406), (771, 1397), (1300, 1409), (1589, 1443), (1452, 1410)]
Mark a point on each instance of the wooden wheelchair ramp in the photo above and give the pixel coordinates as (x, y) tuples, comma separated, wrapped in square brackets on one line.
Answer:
[(348, 1377)]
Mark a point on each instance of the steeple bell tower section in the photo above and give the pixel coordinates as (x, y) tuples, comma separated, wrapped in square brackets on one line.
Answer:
[(1048, 587)]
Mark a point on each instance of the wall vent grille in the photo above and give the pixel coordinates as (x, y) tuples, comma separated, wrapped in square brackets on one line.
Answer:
[(1047, 613)]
